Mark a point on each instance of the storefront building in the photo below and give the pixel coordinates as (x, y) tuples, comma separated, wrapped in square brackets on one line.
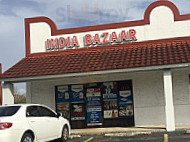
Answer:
[(124, 74)]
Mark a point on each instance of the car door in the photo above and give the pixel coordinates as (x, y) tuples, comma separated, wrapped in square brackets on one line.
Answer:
[(53, 122), (37, 122)]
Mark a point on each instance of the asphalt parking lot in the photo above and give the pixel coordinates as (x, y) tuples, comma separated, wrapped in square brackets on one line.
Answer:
[(154, 137)]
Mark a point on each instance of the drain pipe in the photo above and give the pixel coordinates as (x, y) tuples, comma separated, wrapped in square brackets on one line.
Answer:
[(1, 95)]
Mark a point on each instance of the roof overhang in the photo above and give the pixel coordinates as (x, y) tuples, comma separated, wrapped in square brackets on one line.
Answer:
[(129, 70)]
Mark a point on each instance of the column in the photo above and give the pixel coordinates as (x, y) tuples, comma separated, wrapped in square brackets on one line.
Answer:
[(0, 86), (169, 107), (7, 94), (28, 92)]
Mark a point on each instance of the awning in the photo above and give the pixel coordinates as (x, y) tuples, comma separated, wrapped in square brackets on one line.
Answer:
[(104, 58)]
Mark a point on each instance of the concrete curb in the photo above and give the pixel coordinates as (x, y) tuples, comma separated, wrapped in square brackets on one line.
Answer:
[(187, 132), (74, 136), (129, 131), (129, 134)]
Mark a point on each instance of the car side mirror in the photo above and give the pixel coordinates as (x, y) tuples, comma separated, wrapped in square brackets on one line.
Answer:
[(59, 114)]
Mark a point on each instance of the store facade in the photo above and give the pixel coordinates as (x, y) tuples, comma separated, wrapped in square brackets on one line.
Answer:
[(97, 104), (123, 74)]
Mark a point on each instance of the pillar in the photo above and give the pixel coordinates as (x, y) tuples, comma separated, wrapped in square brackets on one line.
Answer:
[(28, 92), (169, 106), (7, 93), (0, 86)]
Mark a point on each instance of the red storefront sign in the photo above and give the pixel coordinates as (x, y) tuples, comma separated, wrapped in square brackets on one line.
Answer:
[(89, 39)]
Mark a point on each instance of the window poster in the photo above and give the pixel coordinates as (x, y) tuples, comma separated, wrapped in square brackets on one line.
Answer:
[(62, 101), (110, 105), (63, 108), (110, 109), (77, 93), (62, 94), (125, 111), (125, 103), (94, 115), (111, 114), (109, 91), (93, 97), (77, 111), (94, 108), (125, 98)]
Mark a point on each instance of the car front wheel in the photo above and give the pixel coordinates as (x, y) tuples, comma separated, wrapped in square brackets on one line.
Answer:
[(65, 134), (27, 137)]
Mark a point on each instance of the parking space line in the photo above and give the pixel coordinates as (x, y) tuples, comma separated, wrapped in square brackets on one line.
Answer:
[(89, 139), (165, 137)]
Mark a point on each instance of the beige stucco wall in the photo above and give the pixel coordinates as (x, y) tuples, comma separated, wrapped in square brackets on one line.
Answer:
[(148, 93), (181, 96)]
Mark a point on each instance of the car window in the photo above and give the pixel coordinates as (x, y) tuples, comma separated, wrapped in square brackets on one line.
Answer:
[(32, 111), (8, 110), (45, 112)]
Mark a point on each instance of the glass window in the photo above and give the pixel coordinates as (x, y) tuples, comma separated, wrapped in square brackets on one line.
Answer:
[(46, 112), (8, 110), (32, 111)]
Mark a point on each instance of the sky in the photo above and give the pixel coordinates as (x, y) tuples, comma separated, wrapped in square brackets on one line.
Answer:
[(65, 14)]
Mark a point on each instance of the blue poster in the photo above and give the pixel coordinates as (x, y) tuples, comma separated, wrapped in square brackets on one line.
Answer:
[(126, 104), (62, 101), (62, 94), (77, 94), (109, 91), (95, 101), (94, 108), (94, 115), (93, 97), (125, 98)]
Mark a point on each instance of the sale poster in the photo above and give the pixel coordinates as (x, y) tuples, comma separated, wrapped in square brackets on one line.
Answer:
[(77, 111), (125, 98), (93, 92), (63, 108), (94, 115), (126, 111), (62, 101), (110, 109), (94, 108), (77, 93), (110, 105), (93, 96), (62, 94), (110, 113), (109, 90)]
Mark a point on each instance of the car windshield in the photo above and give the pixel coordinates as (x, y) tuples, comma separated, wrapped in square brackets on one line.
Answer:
[(8, 110)]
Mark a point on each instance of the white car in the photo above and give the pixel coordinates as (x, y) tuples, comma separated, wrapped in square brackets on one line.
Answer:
[(32, 123)]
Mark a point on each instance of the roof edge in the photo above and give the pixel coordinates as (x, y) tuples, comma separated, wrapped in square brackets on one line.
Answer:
[(129, 70)]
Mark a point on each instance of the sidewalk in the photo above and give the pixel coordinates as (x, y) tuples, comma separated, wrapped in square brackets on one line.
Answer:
[(130, 131)]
